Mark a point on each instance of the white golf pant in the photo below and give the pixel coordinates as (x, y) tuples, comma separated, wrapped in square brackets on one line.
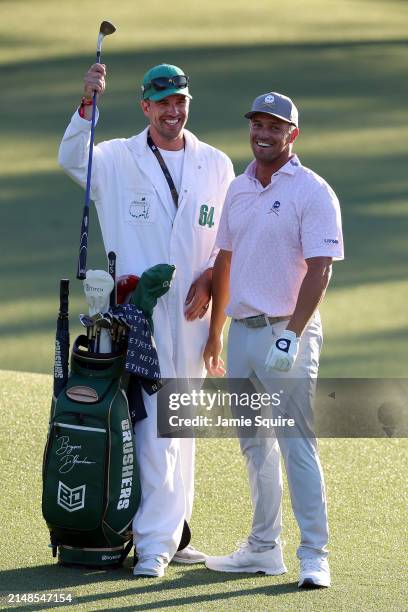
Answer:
[(247, 349), (167, 481)]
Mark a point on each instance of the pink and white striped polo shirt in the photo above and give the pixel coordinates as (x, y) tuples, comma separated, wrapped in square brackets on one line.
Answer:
[(271, 231)]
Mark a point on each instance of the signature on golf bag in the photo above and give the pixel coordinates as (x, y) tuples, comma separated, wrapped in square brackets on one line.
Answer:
[(91, 488)]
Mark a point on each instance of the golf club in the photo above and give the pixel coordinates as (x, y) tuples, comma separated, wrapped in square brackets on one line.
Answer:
[(87, 322), (62, 340), (98, 285), (103, 327), (112, 272), (105, 29)]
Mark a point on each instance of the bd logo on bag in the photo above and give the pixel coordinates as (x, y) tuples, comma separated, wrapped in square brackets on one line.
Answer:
[(206, 217), (71, 499)]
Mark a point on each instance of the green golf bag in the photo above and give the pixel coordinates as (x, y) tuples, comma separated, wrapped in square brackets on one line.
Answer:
[(91, 487)]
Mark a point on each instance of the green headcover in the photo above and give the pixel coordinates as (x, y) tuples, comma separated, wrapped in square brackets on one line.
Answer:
[(153, 283)]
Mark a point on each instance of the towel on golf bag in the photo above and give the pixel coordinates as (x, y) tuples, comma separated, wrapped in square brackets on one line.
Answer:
[(141, 359), (141, 355), (142, 362)]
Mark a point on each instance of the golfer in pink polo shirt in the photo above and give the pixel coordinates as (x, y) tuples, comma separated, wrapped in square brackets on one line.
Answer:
[(279, 232)]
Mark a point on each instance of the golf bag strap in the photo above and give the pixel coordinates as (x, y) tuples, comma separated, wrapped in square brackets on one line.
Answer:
[(165, 169), (185, 536), (126, 551)]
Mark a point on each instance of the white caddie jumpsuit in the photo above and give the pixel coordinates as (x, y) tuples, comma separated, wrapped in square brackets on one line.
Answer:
[(136, 215)]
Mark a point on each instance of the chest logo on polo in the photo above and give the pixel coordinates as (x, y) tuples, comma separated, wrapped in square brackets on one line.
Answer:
[(274, 208), (140, 209), (206, 216)]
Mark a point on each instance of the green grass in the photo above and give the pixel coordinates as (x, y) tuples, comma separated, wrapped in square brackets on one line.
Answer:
[(367, 502), (343, 66), (343, 61), (42, 28), (339, 67)]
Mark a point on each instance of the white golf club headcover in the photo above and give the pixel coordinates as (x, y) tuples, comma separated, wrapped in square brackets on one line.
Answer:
[(98, 285), (283, 352)]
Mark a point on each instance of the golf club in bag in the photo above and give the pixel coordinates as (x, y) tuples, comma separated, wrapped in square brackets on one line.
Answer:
[(98, 287), (61, 357)]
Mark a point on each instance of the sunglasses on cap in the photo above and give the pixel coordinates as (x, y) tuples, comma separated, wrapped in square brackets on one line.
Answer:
[(162, 83)]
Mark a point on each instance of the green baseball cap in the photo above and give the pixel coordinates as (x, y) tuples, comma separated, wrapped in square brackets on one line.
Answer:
[(164, 80)]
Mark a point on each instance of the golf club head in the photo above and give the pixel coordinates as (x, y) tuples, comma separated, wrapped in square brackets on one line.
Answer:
[(107, 28), (86, 320), (126, 326), (103, 323)]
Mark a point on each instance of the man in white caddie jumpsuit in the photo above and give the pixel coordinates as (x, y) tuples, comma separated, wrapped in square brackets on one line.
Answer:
[(279, 232), (145, 224)]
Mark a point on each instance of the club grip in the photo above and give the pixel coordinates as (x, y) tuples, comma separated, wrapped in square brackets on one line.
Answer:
[(112, 272), (83, 245), (64, 294)]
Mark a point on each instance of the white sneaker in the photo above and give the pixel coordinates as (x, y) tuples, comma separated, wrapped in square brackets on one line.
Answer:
[(189, 554), (246, 559), (314, 573), (152, 565)]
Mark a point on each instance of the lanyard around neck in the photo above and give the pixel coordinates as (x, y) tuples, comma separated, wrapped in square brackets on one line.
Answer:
[(165, 169)]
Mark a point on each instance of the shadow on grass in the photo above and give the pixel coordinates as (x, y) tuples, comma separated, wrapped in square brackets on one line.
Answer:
[(337, 85), (54, 578)]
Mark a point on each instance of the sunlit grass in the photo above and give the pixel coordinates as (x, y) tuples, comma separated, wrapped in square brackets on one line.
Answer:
[(353, 133), (49, 29), (366, 499)]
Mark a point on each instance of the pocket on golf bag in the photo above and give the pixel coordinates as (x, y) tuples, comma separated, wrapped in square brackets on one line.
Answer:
[(75, 472)]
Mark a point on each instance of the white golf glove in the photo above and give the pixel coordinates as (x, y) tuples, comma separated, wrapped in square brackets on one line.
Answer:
[(283, 352)]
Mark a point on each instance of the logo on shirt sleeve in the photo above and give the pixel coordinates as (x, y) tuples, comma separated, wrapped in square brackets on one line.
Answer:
[(331, 241)]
